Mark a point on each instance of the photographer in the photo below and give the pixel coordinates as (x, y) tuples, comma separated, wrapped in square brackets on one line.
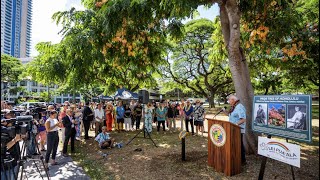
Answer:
[(9, 157)]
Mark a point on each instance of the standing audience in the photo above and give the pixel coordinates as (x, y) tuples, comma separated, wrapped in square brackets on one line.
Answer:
[(52, 125), (161, 116), (87, 118), (109, 116), (70, 131), (99, 118), (127, 118), (199, 114), (138, 115), (188, 111), (120, 116), (148, 118)]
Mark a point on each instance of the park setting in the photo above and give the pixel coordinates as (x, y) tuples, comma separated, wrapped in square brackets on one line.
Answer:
[(158, 89)]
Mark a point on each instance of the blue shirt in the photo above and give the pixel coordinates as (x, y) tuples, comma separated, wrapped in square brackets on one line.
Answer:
[(120, 112), (188, 111), (102, 137), (161, 113), (238, 113)]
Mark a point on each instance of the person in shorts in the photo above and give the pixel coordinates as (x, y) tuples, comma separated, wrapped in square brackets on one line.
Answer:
[(104, 139), (199, 114)]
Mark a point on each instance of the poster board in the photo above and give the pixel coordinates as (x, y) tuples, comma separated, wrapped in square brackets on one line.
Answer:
[(287, 116), (281, 151)]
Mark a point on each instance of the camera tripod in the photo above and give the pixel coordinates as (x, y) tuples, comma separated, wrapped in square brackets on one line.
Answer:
[(23, 159), (144, 129)]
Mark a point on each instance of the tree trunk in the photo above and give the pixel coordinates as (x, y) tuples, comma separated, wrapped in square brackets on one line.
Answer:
[(266, 91), (230, 22), (211, 101)]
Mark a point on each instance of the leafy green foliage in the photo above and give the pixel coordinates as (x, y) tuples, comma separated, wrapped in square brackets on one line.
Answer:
[(196, 62), (11, 68)]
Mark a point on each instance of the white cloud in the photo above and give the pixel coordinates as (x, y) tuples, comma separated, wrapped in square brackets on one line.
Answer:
[(43, 27)]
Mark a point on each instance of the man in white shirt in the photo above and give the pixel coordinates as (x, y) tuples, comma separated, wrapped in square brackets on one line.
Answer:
[(99, 117), (298, 120)]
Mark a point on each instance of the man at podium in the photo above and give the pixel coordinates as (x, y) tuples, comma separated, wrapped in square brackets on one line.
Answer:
[(237, 115)]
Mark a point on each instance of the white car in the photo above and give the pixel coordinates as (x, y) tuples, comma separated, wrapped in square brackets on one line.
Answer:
[(27, 105)]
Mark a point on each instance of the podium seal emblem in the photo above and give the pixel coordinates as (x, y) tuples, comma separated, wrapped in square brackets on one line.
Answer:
[(217, 135)]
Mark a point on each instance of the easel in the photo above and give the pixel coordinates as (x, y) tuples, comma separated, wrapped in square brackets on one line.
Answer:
[(144, 133), (264, 162)]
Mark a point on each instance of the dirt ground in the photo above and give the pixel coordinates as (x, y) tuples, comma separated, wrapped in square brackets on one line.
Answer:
[(164, 161)]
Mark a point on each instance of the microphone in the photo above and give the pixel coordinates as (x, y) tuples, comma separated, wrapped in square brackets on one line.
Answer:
[(223, 109)]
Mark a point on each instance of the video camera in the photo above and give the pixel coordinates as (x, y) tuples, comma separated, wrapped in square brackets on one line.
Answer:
[(19, 125)]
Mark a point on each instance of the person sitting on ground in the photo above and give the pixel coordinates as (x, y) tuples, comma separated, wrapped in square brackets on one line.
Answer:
[(104, 140)]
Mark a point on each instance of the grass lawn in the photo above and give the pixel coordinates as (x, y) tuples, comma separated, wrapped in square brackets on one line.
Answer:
[(164, 162)]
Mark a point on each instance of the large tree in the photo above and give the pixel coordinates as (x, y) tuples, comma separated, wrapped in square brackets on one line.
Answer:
[(266, 19), (89, 55), (109, 30), (198, 61), (11, 68)]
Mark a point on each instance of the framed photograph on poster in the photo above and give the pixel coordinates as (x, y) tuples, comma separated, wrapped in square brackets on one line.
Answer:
[(297, 117), (287, 116), (277, 115), (260, 113)]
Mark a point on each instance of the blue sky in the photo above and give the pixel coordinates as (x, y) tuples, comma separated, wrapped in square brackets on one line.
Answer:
[(44, 29)]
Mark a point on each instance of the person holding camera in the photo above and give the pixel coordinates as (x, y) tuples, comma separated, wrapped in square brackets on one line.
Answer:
[(52, 126), (9, 169)]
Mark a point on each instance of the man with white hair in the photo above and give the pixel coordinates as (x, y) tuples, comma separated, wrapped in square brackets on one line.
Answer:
[(237, 115)]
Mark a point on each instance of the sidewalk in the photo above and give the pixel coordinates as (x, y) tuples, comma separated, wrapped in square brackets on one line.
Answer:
[(66, 169)]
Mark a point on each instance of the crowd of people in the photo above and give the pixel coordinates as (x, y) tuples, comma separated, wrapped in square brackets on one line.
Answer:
[(75, 119)]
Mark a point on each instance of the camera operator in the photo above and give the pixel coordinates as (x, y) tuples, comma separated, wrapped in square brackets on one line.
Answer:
[(9, 157)]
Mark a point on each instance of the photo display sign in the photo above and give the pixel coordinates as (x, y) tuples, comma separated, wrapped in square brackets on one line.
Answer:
[(287, 116)]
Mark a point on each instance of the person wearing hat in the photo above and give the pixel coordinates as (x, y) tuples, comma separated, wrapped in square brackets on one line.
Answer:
[(199, 114), (188, 111)]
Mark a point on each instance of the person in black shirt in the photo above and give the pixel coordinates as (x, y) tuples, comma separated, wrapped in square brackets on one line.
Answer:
[(171, 116), (87, 118), (127, 118), (9, 170), (138, 113)]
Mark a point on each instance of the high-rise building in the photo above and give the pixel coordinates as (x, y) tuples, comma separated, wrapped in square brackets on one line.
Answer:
[(16, 27)]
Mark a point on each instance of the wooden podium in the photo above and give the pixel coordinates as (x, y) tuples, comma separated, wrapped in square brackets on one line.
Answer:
[(224, 154)]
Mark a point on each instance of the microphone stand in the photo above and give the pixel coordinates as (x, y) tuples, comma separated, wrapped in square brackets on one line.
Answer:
[(216, 114)]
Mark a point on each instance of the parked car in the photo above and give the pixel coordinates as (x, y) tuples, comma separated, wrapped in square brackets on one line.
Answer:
[(27, 105)]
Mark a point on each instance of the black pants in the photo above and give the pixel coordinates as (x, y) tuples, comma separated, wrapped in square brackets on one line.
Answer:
[(163, 125), (133, 120), (86, 125), (69, 135), (243, 151), (138, 119), (187, 120), (52, 145)]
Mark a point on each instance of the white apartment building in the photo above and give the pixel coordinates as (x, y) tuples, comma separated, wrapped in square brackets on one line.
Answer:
[(34, 88)]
